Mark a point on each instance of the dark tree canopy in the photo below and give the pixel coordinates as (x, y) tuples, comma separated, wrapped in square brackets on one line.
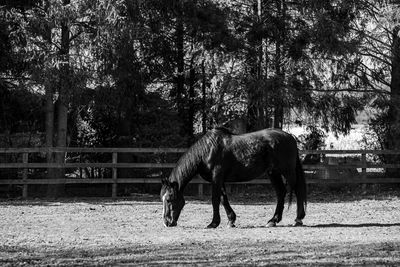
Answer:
[(157, 73)]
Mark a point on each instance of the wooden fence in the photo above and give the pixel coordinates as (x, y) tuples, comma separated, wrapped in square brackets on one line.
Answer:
[(333, 166)]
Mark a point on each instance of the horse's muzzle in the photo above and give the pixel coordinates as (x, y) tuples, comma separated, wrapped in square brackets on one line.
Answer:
[(169, 224)]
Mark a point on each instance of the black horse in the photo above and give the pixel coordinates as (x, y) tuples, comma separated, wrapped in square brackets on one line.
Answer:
[(221, 156)]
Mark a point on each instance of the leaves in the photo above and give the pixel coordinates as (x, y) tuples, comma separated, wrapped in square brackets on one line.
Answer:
[(146, 69)]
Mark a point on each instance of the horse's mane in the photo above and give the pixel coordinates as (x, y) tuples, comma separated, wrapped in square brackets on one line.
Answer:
[(222, 129), (190, 160)]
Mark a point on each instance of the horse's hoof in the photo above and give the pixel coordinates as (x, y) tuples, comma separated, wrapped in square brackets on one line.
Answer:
[(271, 224), (231, 225), (298, 223), (212, 225)]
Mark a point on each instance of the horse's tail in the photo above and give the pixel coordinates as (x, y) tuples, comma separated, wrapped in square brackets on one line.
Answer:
[(301, 186)]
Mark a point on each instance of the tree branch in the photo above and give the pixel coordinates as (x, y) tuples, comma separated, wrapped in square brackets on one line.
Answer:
[(348, 91)]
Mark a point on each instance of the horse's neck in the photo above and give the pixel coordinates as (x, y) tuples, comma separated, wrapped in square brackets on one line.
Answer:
[(184, 175), (190, 164)]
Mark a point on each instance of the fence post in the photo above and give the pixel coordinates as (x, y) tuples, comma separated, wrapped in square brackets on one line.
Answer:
[(364, 170), (114, 175), (200, 189), (364, 164), (25, 176)]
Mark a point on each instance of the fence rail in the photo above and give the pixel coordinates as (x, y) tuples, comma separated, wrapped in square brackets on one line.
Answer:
[(355, 169)]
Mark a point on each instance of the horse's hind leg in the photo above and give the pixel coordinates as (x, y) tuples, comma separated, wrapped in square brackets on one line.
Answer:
[(280, 189), (300, 210), (291, 179), (229, 211)]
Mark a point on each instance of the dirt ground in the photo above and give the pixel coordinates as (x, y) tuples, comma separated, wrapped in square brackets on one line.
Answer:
[(355, 230)]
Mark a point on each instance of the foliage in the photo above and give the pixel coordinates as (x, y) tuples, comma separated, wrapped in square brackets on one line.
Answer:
[(156, 73), (20, 111), (312, 140)]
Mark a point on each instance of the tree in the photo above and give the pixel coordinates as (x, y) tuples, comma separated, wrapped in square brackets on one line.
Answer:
[(53, 35), (20, 108), (186, 34), (285, 41)]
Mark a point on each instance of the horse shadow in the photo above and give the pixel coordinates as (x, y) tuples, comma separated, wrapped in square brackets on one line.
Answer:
[(329, 225), (347, 225)]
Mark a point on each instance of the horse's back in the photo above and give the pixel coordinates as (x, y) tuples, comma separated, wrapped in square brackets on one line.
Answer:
[(252, 154), (274, 138)]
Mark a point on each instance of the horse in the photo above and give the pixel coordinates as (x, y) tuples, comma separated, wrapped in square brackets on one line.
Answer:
[(221, 156)]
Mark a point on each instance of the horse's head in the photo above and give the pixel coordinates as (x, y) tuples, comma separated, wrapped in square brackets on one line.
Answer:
[(173, 202)]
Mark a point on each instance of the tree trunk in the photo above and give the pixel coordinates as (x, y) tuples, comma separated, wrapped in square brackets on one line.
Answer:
[(49, 129), (395, 89), (62, 121), (191, 103), (266, 93), (255, 109), (125, 137), (180, 63), (278, 105), (49, 108), (393, 140), (62, 107), (204, 98), (279, 70)]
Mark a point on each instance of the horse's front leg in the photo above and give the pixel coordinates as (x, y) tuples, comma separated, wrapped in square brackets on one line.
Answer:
[(229, 211), (216, 198)]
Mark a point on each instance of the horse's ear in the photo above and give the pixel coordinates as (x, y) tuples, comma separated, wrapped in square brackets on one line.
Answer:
[(164, 181), (175, 186)]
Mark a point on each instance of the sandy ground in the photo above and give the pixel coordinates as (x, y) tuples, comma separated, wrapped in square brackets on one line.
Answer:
[(130, 232)]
